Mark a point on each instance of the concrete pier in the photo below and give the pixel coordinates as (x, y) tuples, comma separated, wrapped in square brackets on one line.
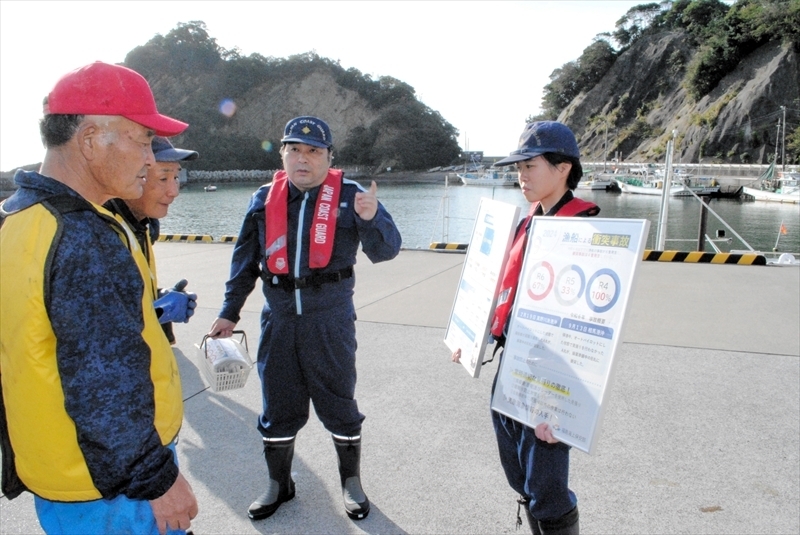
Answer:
[(701, 433)]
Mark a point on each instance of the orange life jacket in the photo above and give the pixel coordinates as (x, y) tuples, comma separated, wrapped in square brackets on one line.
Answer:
[(323, 226), (513, 267)]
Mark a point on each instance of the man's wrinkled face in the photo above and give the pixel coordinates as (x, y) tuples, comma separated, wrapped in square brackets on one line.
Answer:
[(306, 165), (122, 156), (161, 188)]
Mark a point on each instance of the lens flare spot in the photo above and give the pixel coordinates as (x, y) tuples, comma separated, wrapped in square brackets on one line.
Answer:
[(227, 107), (267, 146)]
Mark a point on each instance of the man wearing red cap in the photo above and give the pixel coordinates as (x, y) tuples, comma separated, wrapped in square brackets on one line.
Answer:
[(90, 387)]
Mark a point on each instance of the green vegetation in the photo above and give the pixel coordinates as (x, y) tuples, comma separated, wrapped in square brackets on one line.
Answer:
[(743, 27), (191, 75), (793, 146), (638, 129), (722, 34), (676, 63), (709, 118), (574, 77)]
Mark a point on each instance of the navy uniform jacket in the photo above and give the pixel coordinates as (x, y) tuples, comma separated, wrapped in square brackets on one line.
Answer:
[(379, 238)]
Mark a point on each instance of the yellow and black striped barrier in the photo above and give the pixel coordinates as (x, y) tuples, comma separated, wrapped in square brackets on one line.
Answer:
[(186, 237), (448, 246), (227, 239), (699, 257)]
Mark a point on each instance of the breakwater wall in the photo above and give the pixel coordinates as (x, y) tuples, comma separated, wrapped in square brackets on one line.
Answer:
[(255, 175), (221, 177), (728, 170), (234, 175)]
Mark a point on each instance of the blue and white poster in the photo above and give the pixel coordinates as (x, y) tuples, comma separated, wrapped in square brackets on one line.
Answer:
[(468, 328), (567, 320)]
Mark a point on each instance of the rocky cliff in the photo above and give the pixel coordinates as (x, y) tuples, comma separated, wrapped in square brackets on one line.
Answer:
[(264, 110), (641, 101)]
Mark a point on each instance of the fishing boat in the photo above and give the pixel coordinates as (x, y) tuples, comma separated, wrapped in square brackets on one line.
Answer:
[(679, 187), (703, 186), (784, 188), (649, 186), (490, 177), (210, 188), (599, 182)]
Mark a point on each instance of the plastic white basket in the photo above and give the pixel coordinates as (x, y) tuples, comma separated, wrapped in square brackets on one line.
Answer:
[(224, 362)]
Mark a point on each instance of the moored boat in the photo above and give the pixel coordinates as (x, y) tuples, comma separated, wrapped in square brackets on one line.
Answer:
[(648, 186), (652, 186), (792, 197), (785, 188), (490, 177), (599, 182)]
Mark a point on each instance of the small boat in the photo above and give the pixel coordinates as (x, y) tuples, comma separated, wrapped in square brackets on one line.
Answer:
[(490, 177), (698, 185), (785, 188), (680, 187), (638, 186), (599, 182), (210, 188)]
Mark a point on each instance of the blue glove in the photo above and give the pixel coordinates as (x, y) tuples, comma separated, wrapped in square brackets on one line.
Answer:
[(175, 304)]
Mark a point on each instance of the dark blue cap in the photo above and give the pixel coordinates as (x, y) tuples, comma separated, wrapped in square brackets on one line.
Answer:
[(541, 137), (308, 130), (165, 152)]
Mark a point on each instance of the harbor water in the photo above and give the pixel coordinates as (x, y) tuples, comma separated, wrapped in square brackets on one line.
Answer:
[(427, 213)]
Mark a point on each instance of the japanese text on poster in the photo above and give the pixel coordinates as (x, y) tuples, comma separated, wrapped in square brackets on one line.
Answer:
[(568, 314)]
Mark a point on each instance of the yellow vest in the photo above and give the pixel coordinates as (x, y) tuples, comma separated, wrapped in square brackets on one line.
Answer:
[(44, 438)]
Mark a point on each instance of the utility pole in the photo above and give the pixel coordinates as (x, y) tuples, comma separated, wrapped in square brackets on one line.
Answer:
[(777, 141), (783, 141), (605, 148), (466, 151), (661, 234)]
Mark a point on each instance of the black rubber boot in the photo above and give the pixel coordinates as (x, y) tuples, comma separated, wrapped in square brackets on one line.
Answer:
[(524, 503), (566, 525), (348, 449), (278, 452)]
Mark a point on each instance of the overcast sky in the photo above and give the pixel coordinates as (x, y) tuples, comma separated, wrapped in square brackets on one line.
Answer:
[(482, 65)]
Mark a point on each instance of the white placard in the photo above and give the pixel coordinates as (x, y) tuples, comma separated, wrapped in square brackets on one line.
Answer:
[(468, 328), (567, 321)]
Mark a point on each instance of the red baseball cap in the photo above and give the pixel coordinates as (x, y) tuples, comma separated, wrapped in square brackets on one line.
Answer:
[(104, 89)]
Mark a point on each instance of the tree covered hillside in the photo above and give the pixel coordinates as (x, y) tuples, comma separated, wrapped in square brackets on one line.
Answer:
[(238, 105), (722, 76)]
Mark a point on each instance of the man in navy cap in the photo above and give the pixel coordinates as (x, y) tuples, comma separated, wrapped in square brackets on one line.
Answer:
[(161, 187), (300, 236)]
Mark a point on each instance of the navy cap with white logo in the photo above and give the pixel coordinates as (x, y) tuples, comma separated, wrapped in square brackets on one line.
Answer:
[(309, 130)]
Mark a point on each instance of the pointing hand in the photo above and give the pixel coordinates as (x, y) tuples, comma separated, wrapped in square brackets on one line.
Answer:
[(367, 202)]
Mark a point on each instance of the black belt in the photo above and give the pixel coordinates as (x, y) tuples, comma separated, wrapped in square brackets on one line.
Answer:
[(315, 280)]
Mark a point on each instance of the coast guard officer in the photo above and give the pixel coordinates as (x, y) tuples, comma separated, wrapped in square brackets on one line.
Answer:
[(300, 235)]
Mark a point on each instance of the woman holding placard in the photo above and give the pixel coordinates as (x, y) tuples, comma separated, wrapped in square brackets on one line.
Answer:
[(535, 463)]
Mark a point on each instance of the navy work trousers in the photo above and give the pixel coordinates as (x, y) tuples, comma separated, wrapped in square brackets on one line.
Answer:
[(534, 468), (308, 357)]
